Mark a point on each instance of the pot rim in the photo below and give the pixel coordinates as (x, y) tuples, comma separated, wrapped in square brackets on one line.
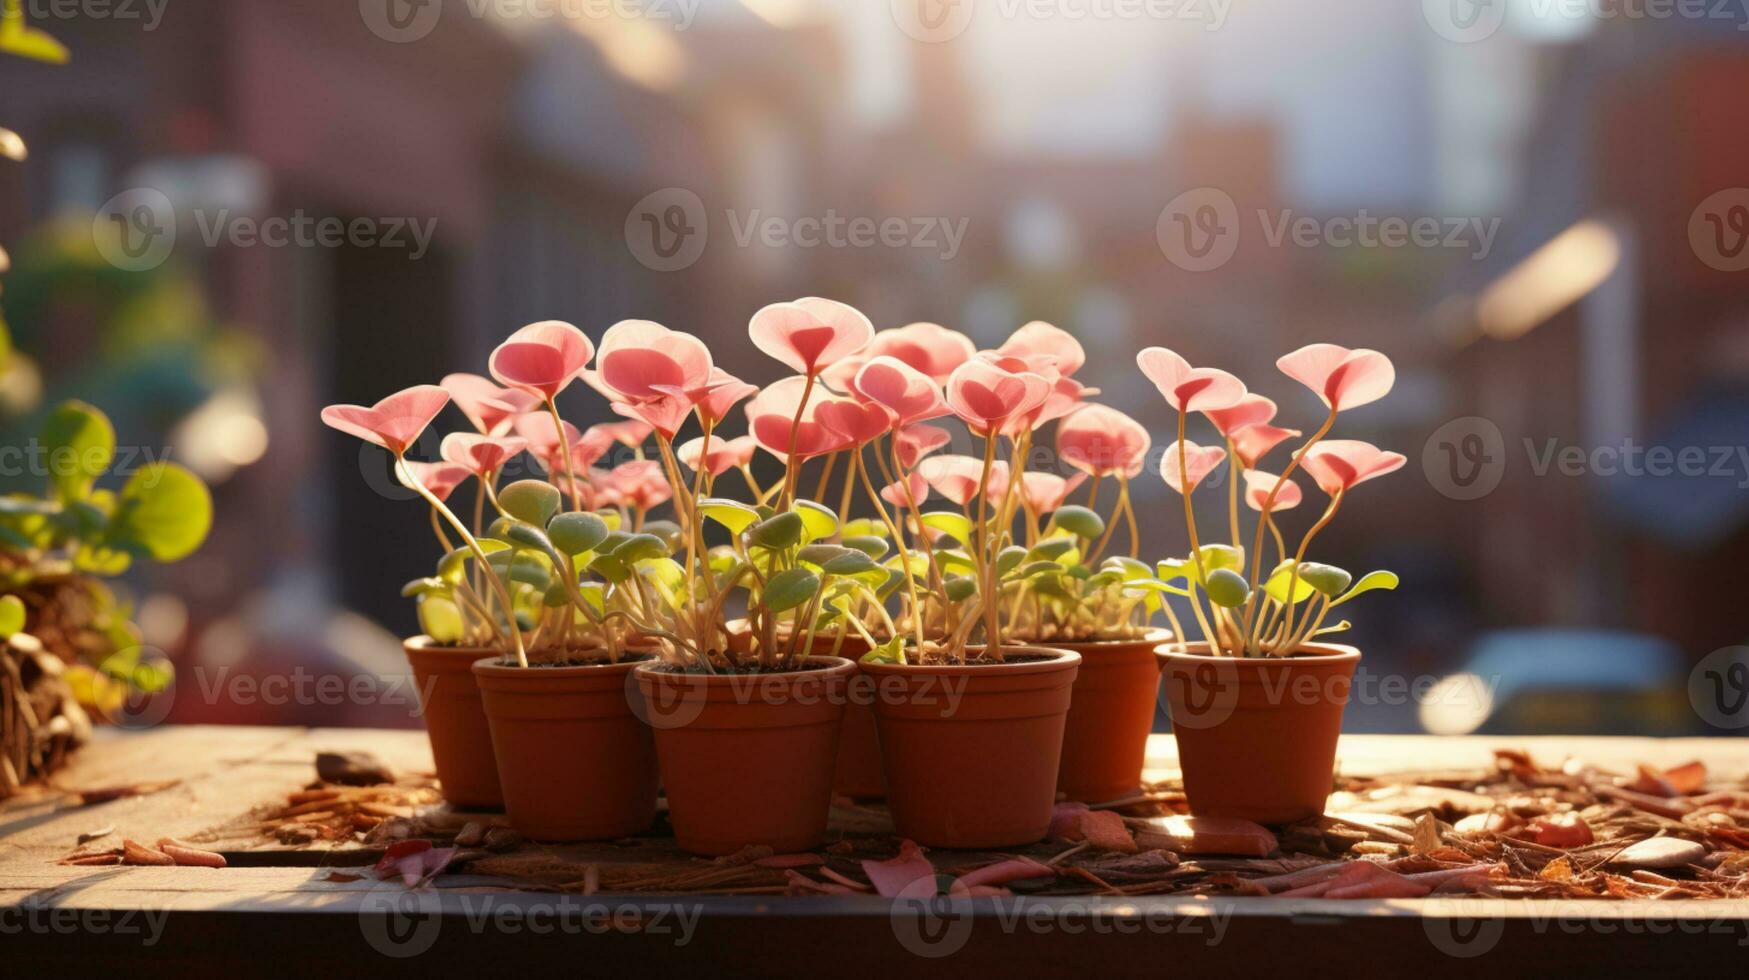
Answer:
[(647, 673), (1061, 659), (1160, 636), (492, 667), (425, 643), (1323, 653)]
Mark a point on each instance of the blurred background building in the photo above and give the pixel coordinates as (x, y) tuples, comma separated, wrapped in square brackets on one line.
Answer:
[(1580, 288)]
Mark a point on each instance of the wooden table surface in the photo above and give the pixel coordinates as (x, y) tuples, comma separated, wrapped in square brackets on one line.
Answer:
[(287, 918)]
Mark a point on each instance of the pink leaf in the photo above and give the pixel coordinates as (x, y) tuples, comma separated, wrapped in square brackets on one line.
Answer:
[(1340, 377), (1189, 389), (1252, 442), (1039, 339), (1003, 872), (1259, 485), (1102, 441), (542, 358), (1340, 464), (986, 395), (930, 348), (1199, 461), (1250, 410), (891, 877), (638, 357), (394, 423), (909, 395), (811, 333), (439, 478)]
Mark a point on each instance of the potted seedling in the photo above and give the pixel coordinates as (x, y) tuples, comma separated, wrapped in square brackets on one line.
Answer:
[(1257, 703), (526, 654)]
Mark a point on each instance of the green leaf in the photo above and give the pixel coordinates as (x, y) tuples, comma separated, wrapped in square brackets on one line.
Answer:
[(522, 535), (12, 616), (425, 586), (864, 527), (1327, 579), (732, 514), (951, 523), (868, 544), (1053, 549), (79, 443), (576, 532), (778, 533), (441, 619), (850, 563), (1173, 569), (788, 589), (531, 570), (1078, 521), (1127, 569), (820, 554), (1227, 588), (1341, 627), (1369, 582), (959, 588), (163, 511), (453, 566), (1154, 585), (890, 652), (1216, 556), (1008, 559), (19, 38), (530, 501), (641, 547), (668, 531), (1276, 586), (818, 520)]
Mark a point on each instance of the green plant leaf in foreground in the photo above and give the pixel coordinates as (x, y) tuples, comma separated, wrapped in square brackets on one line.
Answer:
[(163, 511)]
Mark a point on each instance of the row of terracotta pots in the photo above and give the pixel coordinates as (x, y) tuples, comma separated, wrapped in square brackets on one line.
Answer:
[(966, 754)]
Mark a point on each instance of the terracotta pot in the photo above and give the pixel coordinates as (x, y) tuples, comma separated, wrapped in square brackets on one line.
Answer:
[(857, 770), (1257, 736), (747, 758), (1106, 738), (461, 742), (575, 759), (971, 750)]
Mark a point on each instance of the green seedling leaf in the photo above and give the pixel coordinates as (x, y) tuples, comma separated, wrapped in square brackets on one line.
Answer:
[(530, 501), (79, 443), (1276, 586), (12, 616), (522, 535), (670, 533), (778, 533), (1341, 627), (641, 547), (890, 652), (531, 570), (864, 527), (425, 586), (868, 544), (441, 619), (818, 521), (1127, 569), (951, 523), (959, 588), (556, 595), (577, 532), (1327, 579), (820, 554), (1173, 570), (1215, 556), (732, 514), (453, 566), (1009, 559), (788, 589), (851, 563), (1078, 521), (1227, 588), (164, 512), (1053, 550), (952, 560), (1369, 582)]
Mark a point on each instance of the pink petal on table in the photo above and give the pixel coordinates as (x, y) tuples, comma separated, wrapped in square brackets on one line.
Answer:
[(1212, 835), (986, 891), (1003, 872), (891, 877), (1066, 821), (1560, 830), (1364, 879), (850, 883), (393, 854), (1105, 830), (1340, 377), (1690, 777)]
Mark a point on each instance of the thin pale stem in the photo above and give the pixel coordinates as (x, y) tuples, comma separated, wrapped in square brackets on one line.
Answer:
[(479, 555)]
